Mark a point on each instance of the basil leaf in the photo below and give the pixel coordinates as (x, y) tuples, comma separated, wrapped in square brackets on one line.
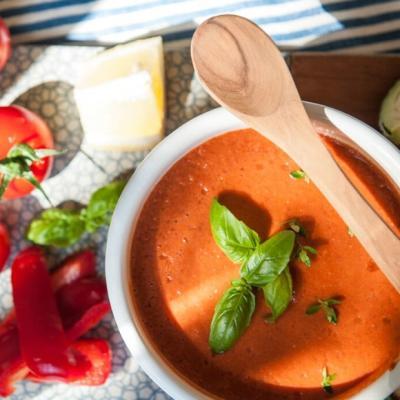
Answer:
[(313, 309), (101, 205), (232, 236), (304, 257), (269, 259), (327, 380), (278, 294), (56, 227), (232, 316), (310, 249)]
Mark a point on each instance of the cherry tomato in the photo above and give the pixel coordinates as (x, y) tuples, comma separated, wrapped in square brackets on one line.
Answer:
[(5, 44), (19, 125), (4, 246)]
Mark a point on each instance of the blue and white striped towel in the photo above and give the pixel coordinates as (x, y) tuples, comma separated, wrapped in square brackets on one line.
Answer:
[(346, 25)]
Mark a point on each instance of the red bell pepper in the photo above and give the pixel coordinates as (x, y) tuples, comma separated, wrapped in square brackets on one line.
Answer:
[(88, 320), (76, 298), (78, 266), (98, 352), (42, 339), (5, 246)]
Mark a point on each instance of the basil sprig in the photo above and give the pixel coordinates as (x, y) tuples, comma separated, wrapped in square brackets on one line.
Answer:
[(327, 306), (232, 236), (263, 265), (232, 316), (61, 228)]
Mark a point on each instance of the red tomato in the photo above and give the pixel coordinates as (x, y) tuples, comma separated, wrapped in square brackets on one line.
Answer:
[(19, 125), (5, 44), (4, 246)]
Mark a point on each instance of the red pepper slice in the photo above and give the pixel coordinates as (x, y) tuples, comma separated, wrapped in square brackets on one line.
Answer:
[(43, 342), (88, 320), (5, 246), (79, 265), (76, 298), (98, 352)]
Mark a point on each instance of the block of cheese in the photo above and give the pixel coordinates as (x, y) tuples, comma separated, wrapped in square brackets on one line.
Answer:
[(120, 96)]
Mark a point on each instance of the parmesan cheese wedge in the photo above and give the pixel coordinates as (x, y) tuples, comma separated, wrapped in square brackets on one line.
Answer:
[(120, 96)]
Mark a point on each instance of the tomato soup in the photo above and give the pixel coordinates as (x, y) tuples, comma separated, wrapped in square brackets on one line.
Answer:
[(178, 274)]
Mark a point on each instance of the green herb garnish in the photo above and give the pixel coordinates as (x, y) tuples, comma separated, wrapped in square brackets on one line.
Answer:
[(303, 254), (18, 164), (278, 294), (232, 236), (232, 316), (327, 306), (269, 259), (62, 228), (263, 265), (299, 174), (327, 380)]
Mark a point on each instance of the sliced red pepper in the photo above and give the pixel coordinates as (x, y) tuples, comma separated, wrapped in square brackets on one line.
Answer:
[(76, 298), (5, 246), (88, 320), (98, 352), (43, 342), (79, 265)]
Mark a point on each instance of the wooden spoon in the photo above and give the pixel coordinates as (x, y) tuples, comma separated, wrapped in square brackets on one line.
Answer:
[(242, 69)]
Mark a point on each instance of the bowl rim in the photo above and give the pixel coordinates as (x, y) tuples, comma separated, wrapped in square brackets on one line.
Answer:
[(139, 186)]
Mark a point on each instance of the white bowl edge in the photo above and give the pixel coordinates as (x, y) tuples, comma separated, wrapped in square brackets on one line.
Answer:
[(155, 165)]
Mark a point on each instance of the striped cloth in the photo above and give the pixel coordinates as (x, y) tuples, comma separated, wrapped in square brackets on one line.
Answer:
[(346, 25)]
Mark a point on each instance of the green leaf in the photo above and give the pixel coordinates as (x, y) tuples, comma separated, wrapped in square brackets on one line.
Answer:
[(101, 205), (278, 294), (232, 236), (23, 150), (304, 258), (269, 259), (299, 174), (310, 249), (56, 227), (30, 154), (303, 254), (327, 306), (327, 380), (313, 309), (232, 316)]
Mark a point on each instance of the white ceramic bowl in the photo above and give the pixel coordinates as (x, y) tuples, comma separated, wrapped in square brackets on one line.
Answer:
[(156, 164)]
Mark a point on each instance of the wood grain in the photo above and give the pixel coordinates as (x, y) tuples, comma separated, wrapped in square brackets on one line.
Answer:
[(241, 68), (353, 84)]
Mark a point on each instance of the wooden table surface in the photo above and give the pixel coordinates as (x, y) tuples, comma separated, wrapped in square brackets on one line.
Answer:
[(354, 84)]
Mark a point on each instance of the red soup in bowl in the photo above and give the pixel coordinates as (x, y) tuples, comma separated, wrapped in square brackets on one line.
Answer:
[(178, 274)]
